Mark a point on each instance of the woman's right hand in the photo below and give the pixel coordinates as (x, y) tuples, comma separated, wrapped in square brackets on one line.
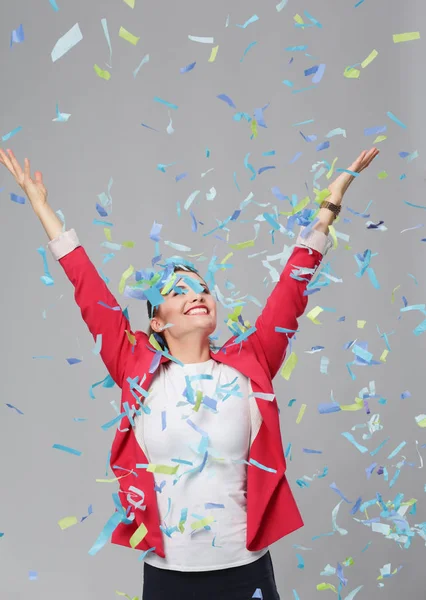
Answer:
[(34, 188)]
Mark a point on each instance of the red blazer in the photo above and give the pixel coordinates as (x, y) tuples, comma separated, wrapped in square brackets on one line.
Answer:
[(272, 512)]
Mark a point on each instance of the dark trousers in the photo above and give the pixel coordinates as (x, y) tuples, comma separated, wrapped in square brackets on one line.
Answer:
[(235, 583)]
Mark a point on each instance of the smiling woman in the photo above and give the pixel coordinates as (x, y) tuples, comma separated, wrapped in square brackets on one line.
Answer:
[(168, 321), (200, 434)]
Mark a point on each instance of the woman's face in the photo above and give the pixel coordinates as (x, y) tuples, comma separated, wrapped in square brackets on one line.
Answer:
[(176, 309)]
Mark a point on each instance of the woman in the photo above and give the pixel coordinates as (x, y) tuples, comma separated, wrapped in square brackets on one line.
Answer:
[(198, 451)]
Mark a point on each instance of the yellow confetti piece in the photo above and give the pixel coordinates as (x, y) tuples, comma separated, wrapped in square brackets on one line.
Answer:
[(393, 293), (124, 278), (67, 522), (202, 522), (313, 313), (154, 342), (326, 586), (358, 405), (130, 3), (384, 355), (382, 175), (242, 245), (380, 138), (213, 54), (332, 233), (223, 261), (298, 19), (369, 59), (406, 37), (128, 244), (164, 469), (298, 208), (330, 172), (421, 420), (289, 366), (123, 593), (107, 233), (102, 74), (199, 397), (253, 125), (301, 413), (114, 479), (138, 536), (170, 283), (351, 73), (130, 337), (321, 195), (126, 35), (360, 324)]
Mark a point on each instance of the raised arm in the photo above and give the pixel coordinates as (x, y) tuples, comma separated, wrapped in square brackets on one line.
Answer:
[(98, 306), (288, 299)]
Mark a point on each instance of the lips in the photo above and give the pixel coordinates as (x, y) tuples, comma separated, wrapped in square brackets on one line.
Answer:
[(188, 312)]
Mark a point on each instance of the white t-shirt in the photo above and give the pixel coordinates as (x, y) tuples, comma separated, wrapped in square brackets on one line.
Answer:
[(173, 432)]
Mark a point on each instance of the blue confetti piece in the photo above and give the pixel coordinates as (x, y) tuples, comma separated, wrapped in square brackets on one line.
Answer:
[(187, 68), (375, 130), (17, 36), (319, 74), (67, 449), (263, 169), (336, 489), (169, 104), (397, 121), (356, 506), (226, 99), (311, 71), (295, 48), (296, 156), (17, 199), (327, 408), (14, 407), (247, 49), (260, 466), (252, 19), (73, 361), (351, 439), (323, 146), (148, 127), (181, 176)]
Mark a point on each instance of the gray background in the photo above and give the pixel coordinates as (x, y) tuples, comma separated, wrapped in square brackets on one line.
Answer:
[(103, 139)]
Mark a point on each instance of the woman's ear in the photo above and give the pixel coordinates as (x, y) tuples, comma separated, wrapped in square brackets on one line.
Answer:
[(156, 325)]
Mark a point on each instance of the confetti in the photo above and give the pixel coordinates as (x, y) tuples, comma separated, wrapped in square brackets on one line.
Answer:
[(406, 37), (66, 42)]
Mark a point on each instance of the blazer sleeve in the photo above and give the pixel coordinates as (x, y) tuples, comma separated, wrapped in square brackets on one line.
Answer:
[(98, 306), (288, 301)]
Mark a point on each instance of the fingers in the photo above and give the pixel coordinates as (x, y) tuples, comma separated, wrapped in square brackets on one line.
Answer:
[(15, 164), (6, 161), (27, 168)]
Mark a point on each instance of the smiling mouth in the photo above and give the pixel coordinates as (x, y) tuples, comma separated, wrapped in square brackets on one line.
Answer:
[(197, 314)]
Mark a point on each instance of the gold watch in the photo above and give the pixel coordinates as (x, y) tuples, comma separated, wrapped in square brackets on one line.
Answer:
[(335, 209)]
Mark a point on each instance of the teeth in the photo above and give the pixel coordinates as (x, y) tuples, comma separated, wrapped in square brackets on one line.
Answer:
[(195, 311)]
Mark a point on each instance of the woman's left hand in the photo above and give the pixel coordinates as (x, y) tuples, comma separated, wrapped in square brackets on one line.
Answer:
[(339, 186)]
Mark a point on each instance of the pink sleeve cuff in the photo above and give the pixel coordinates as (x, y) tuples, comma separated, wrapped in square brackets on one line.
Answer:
[(63, 244), (317, 240)]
